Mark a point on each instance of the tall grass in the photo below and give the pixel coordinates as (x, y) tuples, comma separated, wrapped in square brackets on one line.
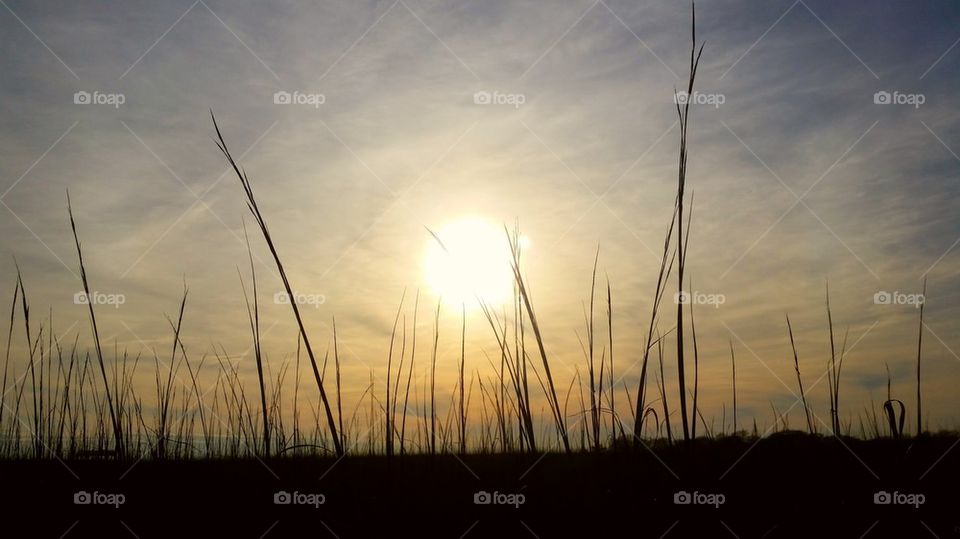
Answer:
[(558, 416), (6, 362), (796, 365), (71, 418), (84, 405), (733, 377), (433, 381), (462, 416), (255, 210), (165, 388), (253, 315), (114, 419), (683, 111), (596, 393), (696, 367), (919, 350), (669, 256), (389, 419), (834, 369)]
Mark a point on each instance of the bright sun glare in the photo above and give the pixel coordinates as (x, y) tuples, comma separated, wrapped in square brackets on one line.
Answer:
[(473, 261)]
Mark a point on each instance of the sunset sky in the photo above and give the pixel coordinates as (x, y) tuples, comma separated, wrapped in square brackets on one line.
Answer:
[(802, 175)]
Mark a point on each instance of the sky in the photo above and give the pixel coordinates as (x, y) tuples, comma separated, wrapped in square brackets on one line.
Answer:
[(823, 149)]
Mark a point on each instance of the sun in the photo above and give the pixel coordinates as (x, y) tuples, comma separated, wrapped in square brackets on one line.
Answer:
[(469, 259)]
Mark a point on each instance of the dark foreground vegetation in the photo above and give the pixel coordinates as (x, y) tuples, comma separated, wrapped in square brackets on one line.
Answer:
[(86, 452), (786, 485)]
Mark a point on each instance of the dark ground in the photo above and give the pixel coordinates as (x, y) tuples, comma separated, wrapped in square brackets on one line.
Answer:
[(789, 485)]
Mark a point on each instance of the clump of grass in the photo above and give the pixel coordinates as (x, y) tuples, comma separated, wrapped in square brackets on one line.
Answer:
[(661, 384), (614, 418), (433, 381), (462, 416), (165, 389), (253, 316), (598, 406), (513, 362), (684, 113), (666, 265), (596, 394), (114, 418), (255, 210), (413, 355), (389, 420), (558, 416), (668, 258), (834, 368), (6, 362)]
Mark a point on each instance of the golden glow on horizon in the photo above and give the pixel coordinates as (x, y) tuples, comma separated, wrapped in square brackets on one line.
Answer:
[(473, 261)]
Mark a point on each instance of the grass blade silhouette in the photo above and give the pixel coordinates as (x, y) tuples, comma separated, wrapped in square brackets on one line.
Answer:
[(114, 419), (255, 210)]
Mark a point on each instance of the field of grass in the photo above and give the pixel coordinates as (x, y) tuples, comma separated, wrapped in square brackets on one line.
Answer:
[(81, 441)]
